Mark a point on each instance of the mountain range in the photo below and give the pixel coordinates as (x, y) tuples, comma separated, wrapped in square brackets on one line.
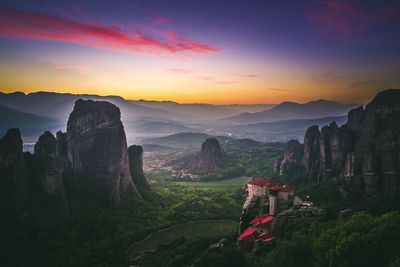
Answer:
[(41, 111), (278, 131), (204, 112), (291, 110), (31, 125)]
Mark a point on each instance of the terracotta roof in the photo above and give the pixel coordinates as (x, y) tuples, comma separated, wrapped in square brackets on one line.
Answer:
[(266, 238), (261, 221), (258, 182), (270, 185), (286, 188), (249, 235)]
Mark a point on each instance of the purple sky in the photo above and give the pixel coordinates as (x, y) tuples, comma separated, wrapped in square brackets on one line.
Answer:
[(202, 51)]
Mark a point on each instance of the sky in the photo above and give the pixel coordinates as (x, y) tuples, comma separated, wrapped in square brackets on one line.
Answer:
[(218, 52)]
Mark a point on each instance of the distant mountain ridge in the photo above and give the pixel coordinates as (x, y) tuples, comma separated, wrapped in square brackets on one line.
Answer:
[(202, 111), (280, 131), (59, 105), (184, 140), (292, 110), (30, 124)]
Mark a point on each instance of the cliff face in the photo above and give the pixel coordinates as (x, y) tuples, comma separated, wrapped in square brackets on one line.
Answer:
[(97, 148), (291, 161), (50, 169), (365, 150), (24, 176), (210, 156), (311, 157), (14, 183), (136, 166)]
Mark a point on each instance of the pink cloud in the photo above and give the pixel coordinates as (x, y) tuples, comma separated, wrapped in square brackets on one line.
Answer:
[(81, 70), (160, 20), (203, 77), (343, 18), (29, 25), (78, 9), (178, 70)]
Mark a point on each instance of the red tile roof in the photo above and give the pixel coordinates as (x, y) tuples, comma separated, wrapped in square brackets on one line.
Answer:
[(266, 238), (262, 221), (258, 182), (270, 185), (286, 188), (249, 235)]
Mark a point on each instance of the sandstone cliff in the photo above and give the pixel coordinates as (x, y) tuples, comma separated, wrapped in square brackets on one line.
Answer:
[(136, 166), (364, 151), (97, 149)]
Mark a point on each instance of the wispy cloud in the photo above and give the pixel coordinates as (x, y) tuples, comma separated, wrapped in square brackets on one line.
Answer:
[(81, 70), (179, 70), (329, 74), (344, 18), (278, 89), (247, 75), (226, 82), (204, 77), (160, 20), (35, 26), (183, 71), (362, 83)]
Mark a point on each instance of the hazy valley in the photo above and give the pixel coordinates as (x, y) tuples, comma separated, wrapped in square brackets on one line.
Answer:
[(138, 133), (183, 172)]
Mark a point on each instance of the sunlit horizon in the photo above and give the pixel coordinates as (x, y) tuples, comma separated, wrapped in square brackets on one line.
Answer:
[(339, 51)]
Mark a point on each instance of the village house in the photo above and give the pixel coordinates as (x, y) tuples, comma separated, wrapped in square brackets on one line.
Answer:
[(273, 196), (271, 199)]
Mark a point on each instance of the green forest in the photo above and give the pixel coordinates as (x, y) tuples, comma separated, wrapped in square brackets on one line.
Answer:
[(97, 236)]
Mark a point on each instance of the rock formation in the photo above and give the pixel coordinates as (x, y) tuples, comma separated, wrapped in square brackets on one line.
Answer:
[(291, 161), (97, 149), (62, 150), (136, 166), (364, 151), (14, 184), (50, 169), (210, 156), (311, 155)]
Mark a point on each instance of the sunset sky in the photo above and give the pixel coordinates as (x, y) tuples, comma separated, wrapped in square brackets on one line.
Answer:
[(202, 51)]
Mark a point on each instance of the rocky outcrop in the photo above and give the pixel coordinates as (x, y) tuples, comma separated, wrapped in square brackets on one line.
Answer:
[(62, 150), (335, 143), (50, 168), (136, 166), (364, 151), (311, 155), (210, 156), (97, 149), (14, 183), (291, 161)]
